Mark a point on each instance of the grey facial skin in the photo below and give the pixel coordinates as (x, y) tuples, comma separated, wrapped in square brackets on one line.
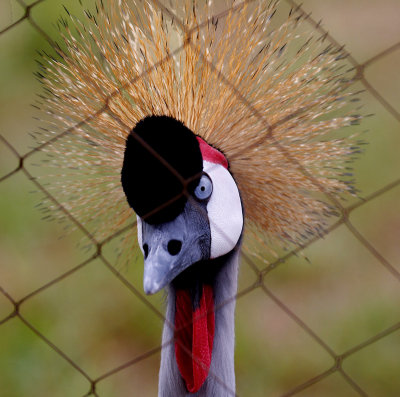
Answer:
[(171, 247)]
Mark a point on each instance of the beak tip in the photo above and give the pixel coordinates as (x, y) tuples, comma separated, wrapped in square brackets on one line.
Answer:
[(150, 286)]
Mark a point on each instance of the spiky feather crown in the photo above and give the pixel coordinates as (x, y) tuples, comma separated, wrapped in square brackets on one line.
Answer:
[(267, 97)]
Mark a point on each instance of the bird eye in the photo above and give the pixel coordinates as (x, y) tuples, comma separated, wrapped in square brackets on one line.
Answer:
[(204, 189)]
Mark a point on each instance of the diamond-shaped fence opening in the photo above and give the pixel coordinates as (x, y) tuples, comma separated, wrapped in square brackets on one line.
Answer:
[(320, 320)]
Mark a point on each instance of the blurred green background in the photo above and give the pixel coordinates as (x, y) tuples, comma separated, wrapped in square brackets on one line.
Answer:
[(337, 288)]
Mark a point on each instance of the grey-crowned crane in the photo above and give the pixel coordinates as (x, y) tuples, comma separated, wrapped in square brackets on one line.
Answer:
[(210, 123), (190, 222)]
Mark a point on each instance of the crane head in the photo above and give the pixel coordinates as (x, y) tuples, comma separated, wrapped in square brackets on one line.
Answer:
[(187, 203)]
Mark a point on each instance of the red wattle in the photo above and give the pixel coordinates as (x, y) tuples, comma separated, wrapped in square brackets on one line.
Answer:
[(194, 336)]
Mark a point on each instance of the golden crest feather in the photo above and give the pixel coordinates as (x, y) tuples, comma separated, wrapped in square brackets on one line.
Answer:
[(267, 95)]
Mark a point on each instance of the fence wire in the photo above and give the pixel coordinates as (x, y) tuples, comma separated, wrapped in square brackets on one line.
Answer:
[(128, 372)]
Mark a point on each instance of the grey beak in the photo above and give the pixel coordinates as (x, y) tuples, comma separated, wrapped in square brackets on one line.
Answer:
[(171, 247)]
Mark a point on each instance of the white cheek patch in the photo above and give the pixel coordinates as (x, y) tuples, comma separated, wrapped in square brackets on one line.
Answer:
[(139, 233), (224, 210)]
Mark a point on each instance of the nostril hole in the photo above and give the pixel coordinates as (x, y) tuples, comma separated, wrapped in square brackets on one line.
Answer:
[(174, 246), (145, 250)]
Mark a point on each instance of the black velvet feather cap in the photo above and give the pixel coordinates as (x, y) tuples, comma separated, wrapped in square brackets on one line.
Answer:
[(162, 165)]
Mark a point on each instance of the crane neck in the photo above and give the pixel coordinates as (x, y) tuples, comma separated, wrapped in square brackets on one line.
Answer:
[(220, 275)]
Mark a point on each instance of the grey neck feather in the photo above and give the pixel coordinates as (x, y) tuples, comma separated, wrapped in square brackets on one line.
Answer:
[(221, 379)]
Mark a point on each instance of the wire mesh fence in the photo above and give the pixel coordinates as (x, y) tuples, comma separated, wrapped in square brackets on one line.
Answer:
[(322, 319)]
